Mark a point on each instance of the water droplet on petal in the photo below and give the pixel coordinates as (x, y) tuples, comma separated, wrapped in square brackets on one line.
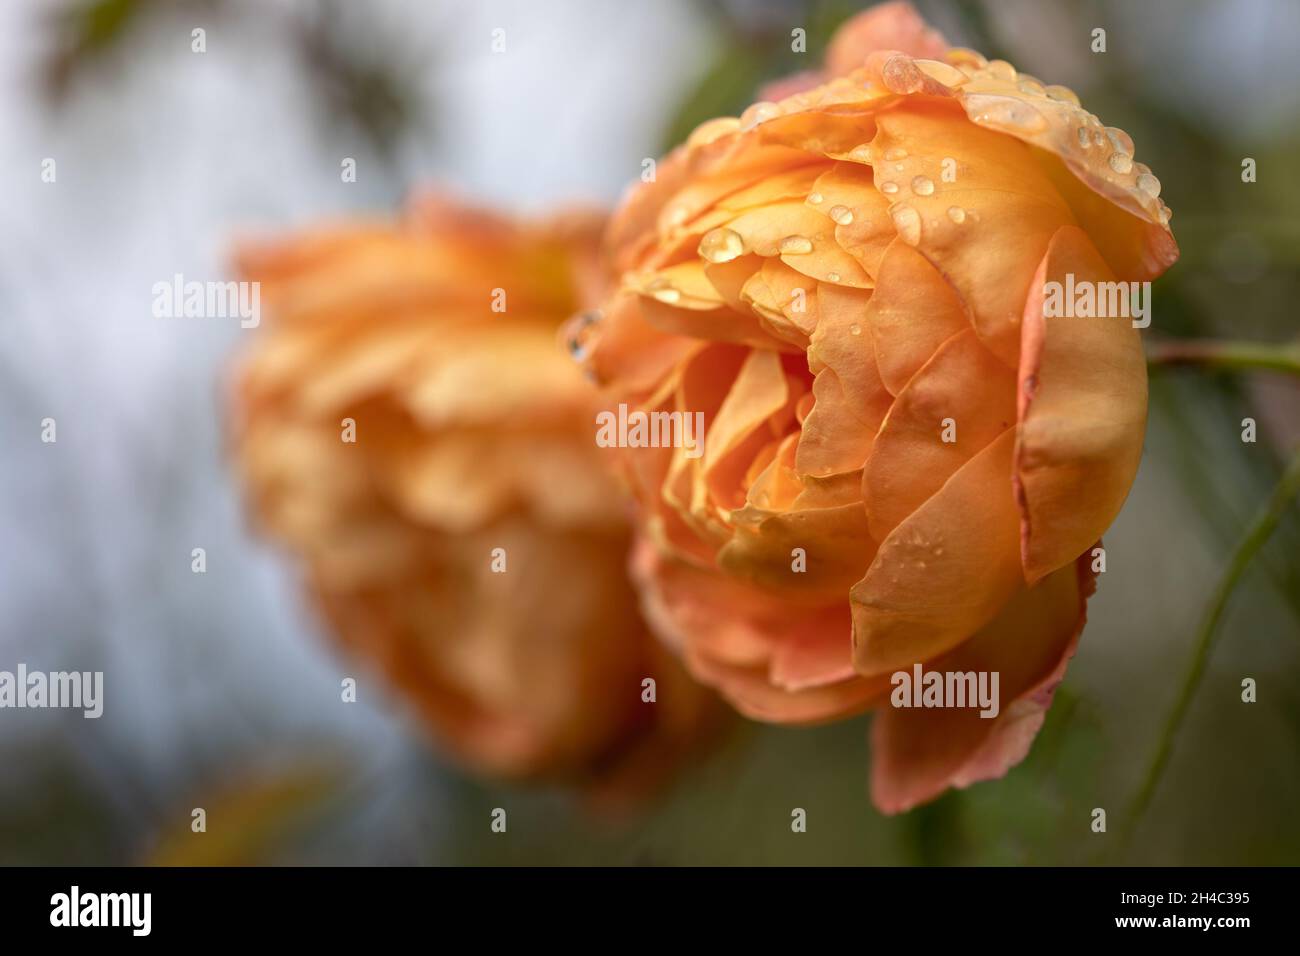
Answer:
[(1120, 162), (1084, 139), (815, 198), (1030, 85), (895, 153), (758, 113), (795, 246), (832, 277), (662, 290), (855, 329), (861, 154), (578, 331), (961, 56), (1121, 140), (900, 75), (842, 215), (1006, 112), (1062, 93), (889, 188), (721, 245), (1001, 70), (922, 185), (957, 214), (1148, 184), (942, 72), (908, 223)]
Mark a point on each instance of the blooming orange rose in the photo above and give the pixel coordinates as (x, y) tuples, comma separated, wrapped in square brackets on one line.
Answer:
[(908, 459), (406, 424)]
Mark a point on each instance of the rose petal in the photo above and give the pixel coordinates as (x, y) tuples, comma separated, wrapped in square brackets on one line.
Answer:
[(1009, 210), (910, 460), (912, 311), (1083, 401), (919, 753), (889, 26), (945, 571)]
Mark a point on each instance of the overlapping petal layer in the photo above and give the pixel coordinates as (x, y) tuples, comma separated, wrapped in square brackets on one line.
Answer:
[(429, 461), (906, 460)]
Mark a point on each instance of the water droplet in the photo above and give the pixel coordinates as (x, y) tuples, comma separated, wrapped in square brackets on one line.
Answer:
[(1062, 93), (961, 56), (908, 223), (663, 291), (1148, 184), (815, 198), (942, 72), (889, 188), (922, 185), (1030, 85), (758, 113), (832, 277), (1007, 112), (1084, 139), (1121, 140), (578, 330), (900, 75), (795, 246), (861, 154), (957, 214), (1120, 162), (899, 167), (1001, 70), (895, 153), (855, 329), (721, 245), (842, 215)]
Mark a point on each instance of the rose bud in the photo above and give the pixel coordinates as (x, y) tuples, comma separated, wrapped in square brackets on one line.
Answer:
[(407, 426), (908, 459)]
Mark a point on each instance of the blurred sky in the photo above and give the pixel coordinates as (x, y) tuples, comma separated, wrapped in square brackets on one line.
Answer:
[(164, 155)]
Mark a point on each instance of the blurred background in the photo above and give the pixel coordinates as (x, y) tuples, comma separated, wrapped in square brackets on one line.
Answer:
[(222, 691)]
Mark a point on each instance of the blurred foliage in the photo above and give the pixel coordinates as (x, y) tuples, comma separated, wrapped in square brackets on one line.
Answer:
[(369, 87), (252, 817)]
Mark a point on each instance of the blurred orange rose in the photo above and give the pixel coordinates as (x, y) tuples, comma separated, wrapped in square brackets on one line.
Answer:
[(406, 423), (906, 462)]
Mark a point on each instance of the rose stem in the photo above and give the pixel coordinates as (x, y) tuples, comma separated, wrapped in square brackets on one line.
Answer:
[(1227, 355), (1265, 521)]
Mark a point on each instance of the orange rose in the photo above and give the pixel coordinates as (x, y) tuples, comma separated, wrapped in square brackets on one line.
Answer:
[(403, 415), (906, 463)]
